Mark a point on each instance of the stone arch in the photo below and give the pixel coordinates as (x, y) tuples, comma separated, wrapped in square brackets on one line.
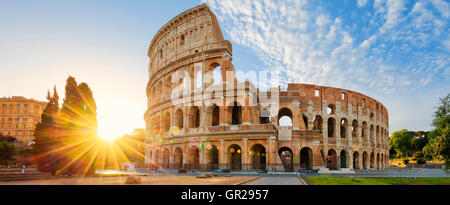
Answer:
[(178, 158), (235, 157), (236, 113), (194, 117), (332, 159), (194, 158), (215, 74), (258, 155), (287, 157), (372, 160), (214, 113), (157, 156), (343, 160), (168, 86), (306, 159), (166, 121), (377, 134), (318, 123), (285, 116), (331, 127), (166, 158), (365, 160), (378, 165), (354, 128), (344, 125), (179, 119), (212, 156), (372, 133), (356, 160), (364, 130)]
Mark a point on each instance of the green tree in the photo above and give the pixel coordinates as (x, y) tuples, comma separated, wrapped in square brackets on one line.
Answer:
[(400, 141), (419, 143), (8, 149), (440, 142)]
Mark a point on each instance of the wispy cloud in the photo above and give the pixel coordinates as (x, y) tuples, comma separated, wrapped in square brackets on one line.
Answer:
[(407, 46)]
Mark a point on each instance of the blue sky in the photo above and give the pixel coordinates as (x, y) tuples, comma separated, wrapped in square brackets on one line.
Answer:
[(395, 51)]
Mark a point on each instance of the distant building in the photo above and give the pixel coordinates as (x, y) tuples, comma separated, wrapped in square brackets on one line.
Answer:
[(19, 117)]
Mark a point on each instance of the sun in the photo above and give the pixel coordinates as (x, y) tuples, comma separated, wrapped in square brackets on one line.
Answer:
[(107, 134)]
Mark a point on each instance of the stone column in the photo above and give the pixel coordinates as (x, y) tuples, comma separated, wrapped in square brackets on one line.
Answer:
[(171, 158), (271, 154), (245, 155), (296, 155), (350, 159), (223, 115), (246, 112), (338, 160), (222, 152)]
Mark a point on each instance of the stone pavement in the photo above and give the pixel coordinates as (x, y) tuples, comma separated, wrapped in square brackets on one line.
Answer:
[(146, 180), (276, 180)]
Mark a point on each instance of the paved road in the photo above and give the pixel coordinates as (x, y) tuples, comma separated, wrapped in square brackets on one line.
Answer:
[(276, 180)]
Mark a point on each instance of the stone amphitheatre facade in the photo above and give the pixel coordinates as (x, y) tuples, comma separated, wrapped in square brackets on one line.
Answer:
[(200, 117)]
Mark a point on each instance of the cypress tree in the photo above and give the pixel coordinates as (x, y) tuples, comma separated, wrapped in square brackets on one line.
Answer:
[(46, 137)]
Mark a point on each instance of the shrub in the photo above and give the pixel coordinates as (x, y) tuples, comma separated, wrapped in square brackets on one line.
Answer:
[(406, 161), (418, 155), (421, 161)]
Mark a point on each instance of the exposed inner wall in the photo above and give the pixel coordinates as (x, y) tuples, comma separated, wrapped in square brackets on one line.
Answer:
[(217, 122)]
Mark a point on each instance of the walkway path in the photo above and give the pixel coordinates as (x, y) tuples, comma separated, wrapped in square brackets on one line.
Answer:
[(276, 180)]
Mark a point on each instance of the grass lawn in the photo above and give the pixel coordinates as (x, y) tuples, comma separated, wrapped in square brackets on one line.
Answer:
[(376, 181)]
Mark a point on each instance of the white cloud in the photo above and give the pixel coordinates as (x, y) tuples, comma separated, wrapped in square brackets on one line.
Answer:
[(305, 43), (362, 3)]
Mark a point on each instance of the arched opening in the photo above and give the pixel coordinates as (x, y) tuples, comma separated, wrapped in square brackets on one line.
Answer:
[(377, 135), (215, 74), (344, 124), (195, 158), (258, 154), (286, 157), (331, 127), (264, 117), (318, 122), (179, 119), (365, 160), (156, 160), (168, 86), (343, 159), (355, 160), (215, 115), (194, 117), (372, 160), (235, 152), (166, 122), (178, 159), (285, 117), (378, 161), (331, 160), (212, 154), (236, 114), (306, 158), (166, 159), (372, 140), (331, 109), (354, 128), (182, 40), (364, 130)]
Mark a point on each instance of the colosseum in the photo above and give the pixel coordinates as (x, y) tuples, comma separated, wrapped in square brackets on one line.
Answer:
[(200, 117)]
